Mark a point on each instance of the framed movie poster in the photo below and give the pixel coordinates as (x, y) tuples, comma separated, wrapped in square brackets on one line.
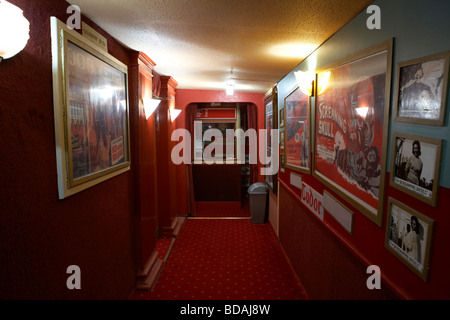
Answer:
[(409, 237), (351, 127), (415, 166), (297, 131), (422, 89), (281, 118), (282, 161), (271, 141), (91, 112)]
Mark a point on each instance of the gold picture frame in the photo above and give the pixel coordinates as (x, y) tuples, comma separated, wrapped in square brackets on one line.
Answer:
[(409, 236), (415, 166), (281, 118), (282, 142), (271, 126), (297, 133), (351, 127), (422, 86), (91, 112)]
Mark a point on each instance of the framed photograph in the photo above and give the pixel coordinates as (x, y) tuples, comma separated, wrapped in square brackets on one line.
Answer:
[(91, 112), (421, 85), (281, 118), (282, 143), (297, 132), (409, 236), (351, 127), (415, 166), (271, 143), (282, 161)]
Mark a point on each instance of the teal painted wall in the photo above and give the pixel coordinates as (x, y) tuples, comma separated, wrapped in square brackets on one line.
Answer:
[(419, 28)]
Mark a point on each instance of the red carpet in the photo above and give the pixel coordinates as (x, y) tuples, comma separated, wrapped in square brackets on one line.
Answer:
[(225, 259)]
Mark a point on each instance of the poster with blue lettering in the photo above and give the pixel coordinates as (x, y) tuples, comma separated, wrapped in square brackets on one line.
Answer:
[(352, 109)]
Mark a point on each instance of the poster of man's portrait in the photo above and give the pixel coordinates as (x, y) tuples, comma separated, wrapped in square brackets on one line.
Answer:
[(422, 89)]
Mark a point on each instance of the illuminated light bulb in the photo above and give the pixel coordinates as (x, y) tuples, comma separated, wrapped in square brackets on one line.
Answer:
[(14, 30)]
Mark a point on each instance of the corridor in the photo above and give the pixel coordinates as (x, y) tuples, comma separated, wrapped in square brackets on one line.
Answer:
[(224, 259)]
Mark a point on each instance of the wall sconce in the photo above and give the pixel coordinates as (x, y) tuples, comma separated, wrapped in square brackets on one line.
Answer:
[(14, 30), (150, 106), (322, 82), (305, 81), (174, 113)]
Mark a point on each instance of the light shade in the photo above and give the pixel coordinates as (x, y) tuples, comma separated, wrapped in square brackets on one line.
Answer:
[(14, 30), (150, 106), (322, 82), (305, 81), (174, 113)]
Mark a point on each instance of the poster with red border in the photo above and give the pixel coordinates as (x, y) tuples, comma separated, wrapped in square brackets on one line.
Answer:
[(297, 113), (349, 130)]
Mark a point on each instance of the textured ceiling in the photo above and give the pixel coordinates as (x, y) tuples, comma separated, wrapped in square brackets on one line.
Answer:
[(204, 43)]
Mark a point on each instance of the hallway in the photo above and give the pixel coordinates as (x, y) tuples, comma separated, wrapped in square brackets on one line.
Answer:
[(225, 259), (96, 177)]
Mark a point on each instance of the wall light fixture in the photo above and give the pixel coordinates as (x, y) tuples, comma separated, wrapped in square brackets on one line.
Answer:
[(150, 106), (174, 113), (14, 30), (305, 81)]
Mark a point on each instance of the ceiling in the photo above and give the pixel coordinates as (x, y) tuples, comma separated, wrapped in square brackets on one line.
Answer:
[(203, 44)]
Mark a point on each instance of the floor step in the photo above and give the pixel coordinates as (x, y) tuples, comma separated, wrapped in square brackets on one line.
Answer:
[(148, 283), (172, 231), (143, 274)]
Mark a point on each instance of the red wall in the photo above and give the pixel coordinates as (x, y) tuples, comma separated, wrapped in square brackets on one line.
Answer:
[(41, 235), (143, 155), (331, 263)]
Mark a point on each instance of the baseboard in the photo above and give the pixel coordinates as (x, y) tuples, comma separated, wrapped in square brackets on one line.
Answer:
[(148, 283), (218, 205)]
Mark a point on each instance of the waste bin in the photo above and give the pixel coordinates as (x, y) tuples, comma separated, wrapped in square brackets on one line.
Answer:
[(257, 200)]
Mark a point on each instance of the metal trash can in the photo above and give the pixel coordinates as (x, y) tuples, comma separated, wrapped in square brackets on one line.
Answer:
[(257, 201)]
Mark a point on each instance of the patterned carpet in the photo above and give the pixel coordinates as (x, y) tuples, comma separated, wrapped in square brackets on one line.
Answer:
[(225, 259)]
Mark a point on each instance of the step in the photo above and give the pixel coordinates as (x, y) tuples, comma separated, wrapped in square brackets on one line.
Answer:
[(173, 230), (148, 266), (148, 283)]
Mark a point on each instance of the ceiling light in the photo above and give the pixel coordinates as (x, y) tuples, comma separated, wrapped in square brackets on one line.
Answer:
[(292, 50), (230, 90), (14, 30)]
